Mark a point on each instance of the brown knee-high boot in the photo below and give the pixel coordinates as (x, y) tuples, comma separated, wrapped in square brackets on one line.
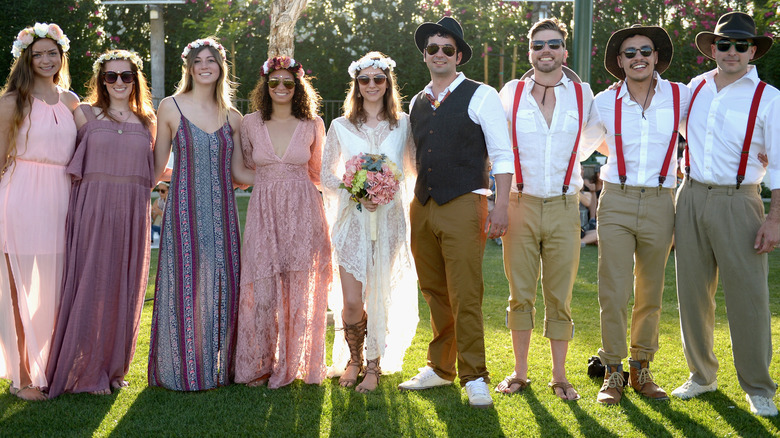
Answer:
[(355, 335)]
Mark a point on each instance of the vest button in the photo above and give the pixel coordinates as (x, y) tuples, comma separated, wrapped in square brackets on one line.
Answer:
[(429, 189), (434, 114), (430, 132), (429, 169), (429, 150)]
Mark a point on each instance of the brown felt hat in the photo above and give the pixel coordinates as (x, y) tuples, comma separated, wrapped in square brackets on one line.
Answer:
[(734, 25), (659, 37)]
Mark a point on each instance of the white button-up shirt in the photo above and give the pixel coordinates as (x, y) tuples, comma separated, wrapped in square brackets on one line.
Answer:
[(716, 129), (645, 140), (485, 110), (545, 150)]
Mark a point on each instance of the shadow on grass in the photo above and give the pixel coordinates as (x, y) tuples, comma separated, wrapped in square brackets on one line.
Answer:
[(294, 410), (548, 425), (682, 422), (68, 414), (744, 422), (589, 426)]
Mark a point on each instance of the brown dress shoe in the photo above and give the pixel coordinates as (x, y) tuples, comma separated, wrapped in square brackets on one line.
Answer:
[(612, 390), (641, 380)]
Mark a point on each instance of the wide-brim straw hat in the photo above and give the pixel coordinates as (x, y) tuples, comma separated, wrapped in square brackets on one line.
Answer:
[(659, 37), (734, 25), (448, 26)]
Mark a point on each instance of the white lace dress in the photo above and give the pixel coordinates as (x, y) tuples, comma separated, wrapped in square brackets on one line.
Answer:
[(384, 266)]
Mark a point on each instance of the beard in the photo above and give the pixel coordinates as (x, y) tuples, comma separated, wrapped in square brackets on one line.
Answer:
[(547, 67)]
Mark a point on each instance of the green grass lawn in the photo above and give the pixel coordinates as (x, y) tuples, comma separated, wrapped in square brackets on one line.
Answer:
[(328, 410)]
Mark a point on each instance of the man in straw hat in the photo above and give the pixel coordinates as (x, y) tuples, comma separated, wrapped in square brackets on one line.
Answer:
[(639, 120), (459, 130), (720, 222), (546, 111)]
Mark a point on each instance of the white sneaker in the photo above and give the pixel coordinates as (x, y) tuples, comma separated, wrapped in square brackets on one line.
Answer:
[(691, 389), (427, 378), (479, 396), (761, 405)]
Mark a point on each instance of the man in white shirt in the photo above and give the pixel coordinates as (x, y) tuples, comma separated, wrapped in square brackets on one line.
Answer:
[(546, 118), (720, 223), (459, 131), (639, 120)]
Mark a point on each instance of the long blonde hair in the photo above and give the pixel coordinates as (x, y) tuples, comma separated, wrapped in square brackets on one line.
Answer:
[(140, 97), (353, 104), (20, 81), (225, 90)]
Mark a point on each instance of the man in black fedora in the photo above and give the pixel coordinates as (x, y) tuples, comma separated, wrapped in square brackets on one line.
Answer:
[(720, 223), (639, 120), (459, 130)]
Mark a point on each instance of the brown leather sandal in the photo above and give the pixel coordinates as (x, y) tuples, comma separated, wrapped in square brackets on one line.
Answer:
[(372, 368), (510, 380), (355, 335), (563, 386)]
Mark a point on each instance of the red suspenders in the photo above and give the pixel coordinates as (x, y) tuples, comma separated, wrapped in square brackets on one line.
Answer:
[(572, 159), (619, 137), (751, 124)]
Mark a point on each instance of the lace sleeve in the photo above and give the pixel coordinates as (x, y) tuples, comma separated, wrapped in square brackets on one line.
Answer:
[(246, 143), (315, 162), (330, 159)]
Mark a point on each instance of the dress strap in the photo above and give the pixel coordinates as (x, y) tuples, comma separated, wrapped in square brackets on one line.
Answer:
[(177, 105), (89, 113)]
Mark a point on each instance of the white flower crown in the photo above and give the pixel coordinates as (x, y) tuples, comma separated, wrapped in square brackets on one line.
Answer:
[(28, 35), (117, 54), (380, 63), (203, 42)]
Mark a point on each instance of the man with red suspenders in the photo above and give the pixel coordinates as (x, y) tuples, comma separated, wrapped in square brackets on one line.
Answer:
[(720, 223), (546, 113), (639, 120)]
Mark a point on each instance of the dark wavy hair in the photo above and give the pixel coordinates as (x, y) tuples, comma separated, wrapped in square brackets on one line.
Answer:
[(391, 110), (305, 101)]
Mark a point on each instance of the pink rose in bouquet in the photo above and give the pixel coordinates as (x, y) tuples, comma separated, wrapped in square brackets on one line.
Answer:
[(370, 176)]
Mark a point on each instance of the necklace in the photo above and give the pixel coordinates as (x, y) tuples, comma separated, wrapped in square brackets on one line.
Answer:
[(122, 117), (644, 104), (544, 95)]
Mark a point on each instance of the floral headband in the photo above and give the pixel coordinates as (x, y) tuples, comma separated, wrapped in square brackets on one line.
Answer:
[(203, 42), (283, 62), (40, 30), (117, 54), (380, 63)]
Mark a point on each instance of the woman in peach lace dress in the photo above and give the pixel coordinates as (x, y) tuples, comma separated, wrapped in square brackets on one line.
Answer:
[(285, 259)]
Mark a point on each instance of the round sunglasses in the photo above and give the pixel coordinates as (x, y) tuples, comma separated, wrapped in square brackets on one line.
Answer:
[(553, 44), (365, 79), (111, 76), (740, 46), (433, 49), (631, 52), (288, 83)]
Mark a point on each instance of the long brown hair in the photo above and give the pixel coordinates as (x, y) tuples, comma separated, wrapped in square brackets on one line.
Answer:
[(140, 96), (391, 108), (20, 81), (305, 101), (225, 90)]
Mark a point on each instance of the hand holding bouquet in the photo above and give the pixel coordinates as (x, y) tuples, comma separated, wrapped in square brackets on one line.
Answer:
[(371, 176)]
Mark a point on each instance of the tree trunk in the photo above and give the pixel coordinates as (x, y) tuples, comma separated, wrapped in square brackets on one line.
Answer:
[(284, 14)]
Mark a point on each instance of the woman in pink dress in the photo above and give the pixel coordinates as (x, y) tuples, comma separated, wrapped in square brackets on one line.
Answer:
[(107, 232), (285, 260), (38, 138)]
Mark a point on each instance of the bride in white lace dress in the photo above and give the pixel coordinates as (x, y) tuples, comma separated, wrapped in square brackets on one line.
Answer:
[(377, 299)]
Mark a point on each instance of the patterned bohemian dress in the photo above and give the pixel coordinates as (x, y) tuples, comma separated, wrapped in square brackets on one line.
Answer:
[(196, 293)]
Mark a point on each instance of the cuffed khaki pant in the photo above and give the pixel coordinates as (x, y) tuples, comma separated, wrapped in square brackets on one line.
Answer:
[(635, 229), (448, 242), (715, 229), (543, 235)]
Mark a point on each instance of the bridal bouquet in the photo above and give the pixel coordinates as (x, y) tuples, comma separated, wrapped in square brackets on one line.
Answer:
[(371, 176)]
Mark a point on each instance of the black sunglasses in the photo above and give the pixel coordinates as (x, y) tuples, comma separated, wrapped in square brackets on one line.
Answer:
[(630, 52), (365, 79), (433, 49), (740, 46), (111, 76), (288, 83), (553, 44)]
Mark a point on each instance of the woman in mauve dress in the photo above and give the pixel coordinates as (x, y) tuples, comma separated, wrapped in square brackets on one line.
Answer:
[(37, 139), (107, 233), (286, 267), (196, 292)]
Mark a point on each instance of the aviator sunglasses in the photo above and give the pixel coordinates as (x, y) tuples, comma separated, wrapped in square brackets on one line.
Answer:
[(365, 79), (433, 49), (288, 83), (632, 51), (740, 46), (111, 76), (554, 44)]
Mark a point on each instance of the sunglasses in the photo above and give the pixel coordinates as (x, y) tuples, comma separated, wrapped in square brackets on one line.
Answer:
[(632, 51), (365, 79), (433, 49), (554, 44), (112, 76), (740, 46), (288, 83)]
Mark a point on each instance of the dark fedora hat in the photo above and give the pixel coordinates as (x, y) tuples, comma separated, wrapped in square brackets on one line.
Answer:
[(447, 26), (659, 37), (734, 25)]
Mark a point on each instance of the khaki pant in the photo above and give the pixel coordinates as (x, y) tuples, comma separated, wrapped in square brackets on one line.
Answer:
[(635, 228), (715, 229), (547, 231), (448, 242)]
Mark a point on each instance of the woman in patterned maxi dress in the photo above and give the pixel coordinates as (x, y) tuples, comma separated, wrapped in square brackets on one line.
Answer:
[(196, 292)]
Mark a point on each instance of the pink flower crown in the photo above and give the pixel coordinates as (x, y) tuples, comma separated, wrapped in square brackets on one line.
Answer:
[(203, 42), (283, 62), (28, 35)]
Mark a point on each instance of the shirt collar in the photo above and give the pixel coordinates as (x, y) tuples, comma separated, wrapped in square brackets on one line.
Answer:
[(657, 89), (451, 87), (565, 81), (751, 75)]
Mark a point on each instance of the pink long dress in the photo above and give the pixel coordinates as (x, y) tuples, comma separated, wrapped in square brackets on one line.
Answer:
[(285, 259), (34, 196)]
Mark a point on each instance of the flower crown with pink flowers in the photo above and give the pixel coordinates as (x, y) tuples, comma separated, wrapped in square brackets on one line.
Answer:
[(28, 35), (283, 62), (203, 42)]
